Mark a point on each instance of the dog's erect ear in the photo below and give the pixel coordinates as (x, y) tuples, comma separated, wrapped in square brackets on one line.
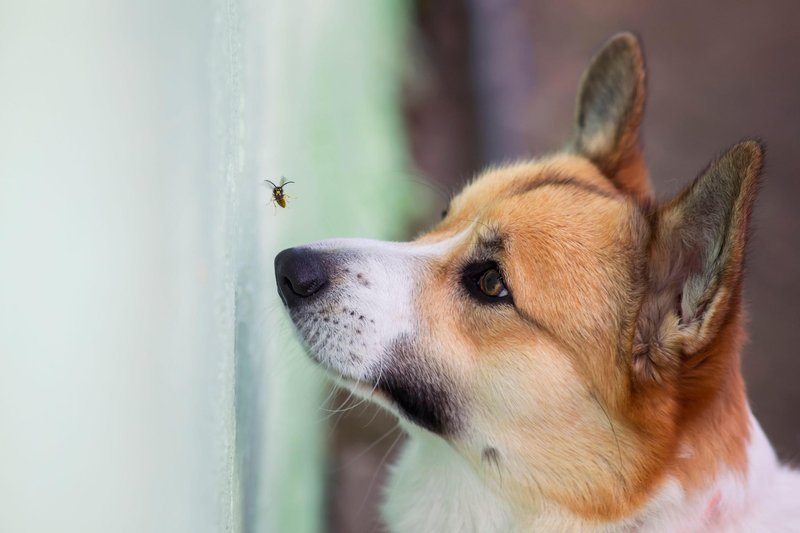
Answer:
[(609, 112), (696, 261)]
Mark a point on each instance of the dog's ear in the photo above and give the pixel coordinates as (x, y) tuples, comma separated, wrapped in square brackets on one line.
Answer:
[(696, 263), (609, 112)]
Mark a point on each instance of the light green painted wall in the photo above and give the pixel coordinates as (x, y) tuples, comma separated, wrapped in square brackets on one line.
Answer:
[(333, 125), (149, 380)]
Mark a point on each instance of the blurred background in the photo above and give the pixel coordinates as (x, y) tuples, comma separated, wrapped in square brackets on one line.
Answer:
[(149, 380)]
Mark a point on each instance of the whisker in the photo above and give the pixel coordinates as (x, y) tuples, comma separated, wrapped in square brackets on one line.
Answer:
[(372, 392), (361, 454), (378, 471), (435, 187)]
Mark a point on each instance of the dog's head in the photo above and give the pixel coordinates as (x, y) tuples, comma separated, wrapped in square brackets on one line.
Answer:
[(558, 327)]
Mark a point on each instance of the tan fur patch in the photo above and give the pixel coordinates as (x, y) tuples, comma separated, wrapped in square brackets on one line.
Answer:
[(617, 367), (549, 381)]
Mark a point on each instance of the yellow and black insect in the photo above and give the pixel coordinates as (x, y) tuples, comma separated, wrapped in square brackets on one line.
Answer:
[(278, 196)]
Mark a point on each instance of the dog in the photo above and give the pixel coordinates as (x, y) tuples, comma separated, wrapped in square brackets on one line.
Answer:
[(563, 350)]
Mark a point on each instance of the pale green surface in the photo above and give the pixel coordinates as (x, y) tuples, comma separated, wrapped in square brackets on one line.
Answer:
[(334, 127), (149, 380)]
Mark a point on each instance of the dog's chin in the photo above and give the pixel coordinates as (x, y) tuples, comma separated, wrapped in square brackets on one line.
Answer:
[(365, 387), (366, 390), (342, 367), (344, 344), (393, 375)]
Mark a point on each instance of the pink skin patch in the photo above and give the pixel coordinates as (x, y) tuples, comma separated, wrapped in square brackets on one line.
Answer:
[(712, 510)]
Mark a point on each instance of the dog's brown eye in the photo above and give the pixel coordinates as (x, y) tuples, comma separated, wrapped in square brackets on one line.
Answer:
[(491, 284), (484, 282)]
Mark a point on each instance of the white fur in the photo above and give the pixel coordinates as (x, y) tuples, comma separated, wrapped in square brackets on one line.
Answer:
[(372, 298), (432, 489)]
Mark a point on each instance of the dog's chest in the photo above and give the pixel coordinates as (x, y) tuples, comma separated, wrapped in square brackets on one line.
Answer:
[(432, 489)]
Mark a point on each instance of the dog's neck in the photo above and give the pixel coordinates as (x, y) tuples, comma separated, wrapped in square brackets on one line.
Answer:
[(433, 488), (722, 474)]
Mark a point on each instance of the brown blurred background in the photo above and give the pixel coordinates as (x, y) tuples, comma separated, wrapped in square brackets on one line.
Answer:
[(492, 80)]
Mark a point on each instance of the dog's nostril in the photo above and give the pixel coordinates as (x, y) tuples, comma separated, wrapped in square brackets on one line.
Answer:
[(300, 273), (304, 288), (288, 284)]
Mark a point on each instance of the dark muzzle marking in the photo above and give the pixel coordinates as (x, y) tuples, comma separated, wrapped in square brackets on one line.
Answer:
[(423, 394)]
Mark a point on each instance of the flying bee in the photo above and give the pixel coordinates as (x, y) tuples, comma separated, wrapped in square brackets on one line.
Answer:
[(278, 196)]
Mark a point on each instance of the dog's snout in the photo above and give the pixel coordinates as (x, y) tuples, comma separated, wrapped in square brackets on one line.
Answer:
[(300, 274)]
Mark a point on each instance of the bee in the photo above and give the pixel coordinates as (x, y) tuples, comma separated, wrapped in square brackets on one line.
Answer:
[(278, 196)]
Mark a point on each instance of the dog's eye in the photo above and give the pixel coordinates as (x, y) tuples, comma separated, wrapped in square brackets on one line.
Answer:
[(444, 213), (491, 284), (484, 282)]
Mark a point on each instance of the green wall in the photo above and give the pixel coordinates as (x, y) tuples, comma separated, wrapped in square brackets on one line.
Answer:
[(334, 126)]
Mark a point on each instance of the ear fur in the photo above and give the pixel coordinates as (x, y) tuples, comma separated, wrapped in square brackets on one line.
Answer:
[(609, 113), (696, 262)]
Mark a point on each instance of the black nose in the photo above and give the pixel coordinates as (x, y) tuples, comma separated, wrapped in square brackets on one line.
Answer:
[(300, 274)]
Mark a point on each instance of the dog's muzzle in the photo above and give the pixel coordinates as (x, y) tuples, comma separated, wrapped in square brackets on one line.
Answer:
[(353, 310)]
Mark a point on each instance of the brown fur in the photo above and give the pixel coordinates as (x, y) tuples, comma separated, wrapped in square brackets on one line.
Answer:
[(621, 351), (609, 114)]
